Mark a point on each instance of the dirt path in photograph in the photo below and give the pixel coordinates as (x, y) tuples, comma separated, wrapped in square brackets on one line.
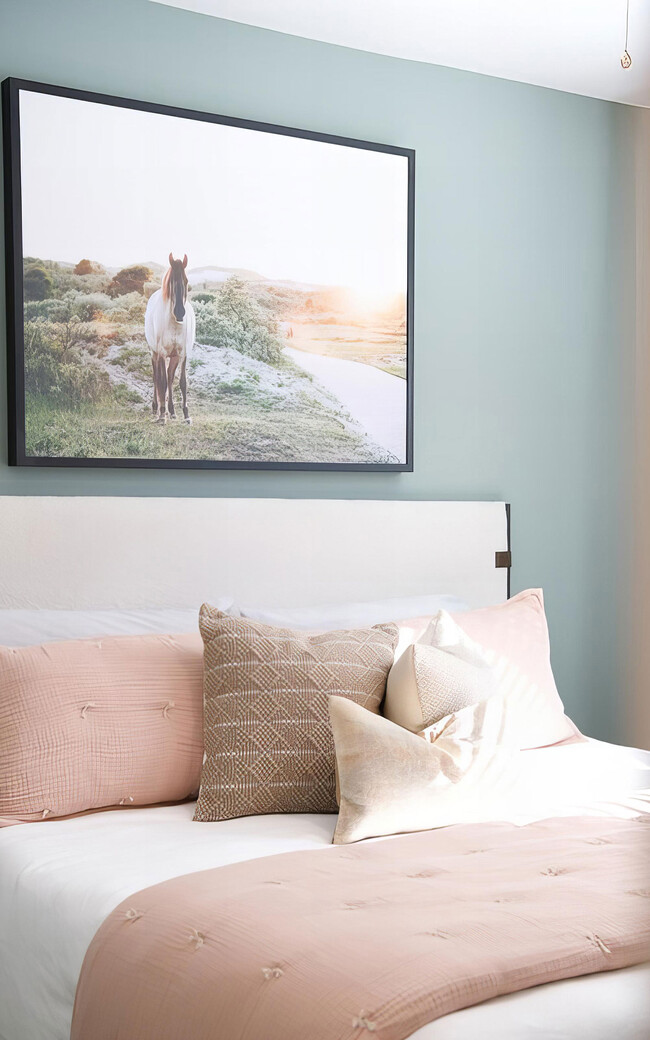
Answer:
[(376, 399)]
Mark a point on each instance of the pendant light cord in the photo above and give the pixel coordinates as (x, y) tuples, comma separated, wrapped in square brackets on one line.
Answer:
[(626, 60)]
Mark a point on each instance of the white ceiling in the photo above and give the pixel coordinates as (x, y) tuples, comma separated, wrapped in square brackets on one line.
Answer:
[(573, 45)]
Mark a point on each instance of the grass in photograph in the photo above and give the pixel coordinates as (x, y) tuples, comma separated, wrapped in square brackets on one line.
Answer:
[(241, 430)]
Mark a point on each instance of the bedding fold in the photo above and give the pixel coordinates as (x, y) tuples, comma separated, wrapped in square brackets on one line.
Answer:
[(380, 938)]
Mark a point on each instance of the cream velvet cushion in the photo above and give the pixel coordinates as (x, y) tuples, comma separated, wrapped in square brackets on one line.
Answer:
[(464, 659), (268, 739), (392, 781)]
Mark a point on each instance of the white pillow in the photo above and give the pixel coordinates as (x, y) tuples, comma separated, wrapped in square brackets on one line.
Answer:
[(31, 627), (392, 781), (468, 770), (334, 616)]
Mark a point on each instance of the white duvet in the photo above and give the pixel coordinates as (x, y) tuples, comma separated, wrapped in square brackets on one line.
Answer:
[(60, 879)]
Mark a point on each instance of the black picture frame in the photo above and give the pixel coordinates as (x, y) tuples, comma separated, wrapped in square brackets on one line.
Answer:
[(17, 456)]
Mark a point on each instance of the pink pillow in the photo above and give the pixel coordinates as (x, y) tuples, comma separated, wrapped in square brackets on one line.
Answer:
[(515, 634), (93, 723)]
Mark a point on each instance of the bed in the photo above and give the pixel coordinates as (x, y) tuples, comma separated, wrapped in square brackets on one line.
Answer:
[(58, 882), (60, 879)]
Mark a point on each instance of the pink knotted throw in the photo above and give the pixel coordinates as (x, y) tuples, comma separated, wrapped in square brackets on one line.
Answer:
[(377, 938)]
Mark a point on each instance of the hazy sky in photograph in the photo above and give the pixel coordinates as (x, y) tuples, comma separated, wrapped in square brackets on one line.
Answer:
[(121, 186)]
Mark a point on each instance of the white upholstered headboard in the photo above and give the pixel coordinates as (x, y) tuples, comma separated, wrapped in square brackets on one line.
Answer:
[(82, 553)]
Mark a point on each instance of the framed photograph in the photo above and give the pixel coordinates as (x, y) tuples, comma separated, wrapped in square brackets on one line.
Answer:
[(188, 290)]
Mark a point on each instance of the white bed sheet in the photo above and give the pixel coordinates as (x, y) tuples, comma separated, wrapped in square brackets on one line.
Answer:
[(60, 879)]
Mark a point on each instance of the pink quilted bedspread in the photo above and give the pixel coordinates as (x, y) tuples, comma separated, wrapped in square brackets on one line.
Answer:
[(378, 938)]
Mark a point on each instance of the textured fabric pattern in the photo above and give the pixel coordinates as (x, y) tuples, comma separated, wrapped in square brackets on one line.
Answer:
[(88, 724), (268, 739), (451, 685), (433, 679), (372, 940)]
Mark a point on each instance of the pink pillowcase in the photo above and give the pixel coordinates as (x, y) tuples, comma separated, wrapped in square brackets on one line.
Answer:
[(94, 723), (516, 635)]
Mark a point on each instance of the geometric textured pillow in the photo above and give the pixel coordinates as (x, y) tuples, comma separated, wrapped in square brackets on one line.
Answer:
[(267, 733), (431, 681)]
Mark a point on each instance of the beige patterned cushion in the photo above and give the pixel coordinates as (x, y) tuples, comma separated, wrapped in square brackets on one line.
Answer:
[(441, 673), (268, 739)]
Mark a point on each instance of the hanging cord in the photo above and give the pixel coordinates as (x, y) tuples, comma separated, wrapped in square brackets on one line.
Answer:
[(626, 60)]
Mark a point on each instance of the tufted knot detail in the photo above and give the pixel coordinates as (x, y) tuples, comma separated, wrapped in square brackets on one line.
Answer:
[(127, 801), (133, 915), (272, 973), (361, 1021), (598, 942), (46, 812), (86, 708), (598, 841), (643, 892), (553, 872), (198, 938), (167, 707)]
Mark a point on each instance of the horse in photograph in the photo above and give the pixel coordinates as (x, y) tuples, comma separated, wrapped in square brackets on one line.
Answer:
[(169, 327)]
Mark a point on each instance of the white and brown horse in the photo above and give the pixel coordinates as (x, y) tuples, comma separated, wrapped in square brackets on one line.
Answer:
[(169, 326)]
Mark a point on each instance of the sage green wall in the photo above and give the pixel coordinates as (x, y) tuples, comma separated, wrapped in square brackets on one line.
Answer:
[(524, 266)]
